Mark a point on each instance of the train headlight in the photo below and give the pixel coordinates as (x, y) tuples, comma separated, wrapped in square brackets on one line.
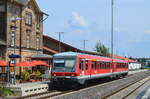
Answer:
[(72, 75), (54, 74)]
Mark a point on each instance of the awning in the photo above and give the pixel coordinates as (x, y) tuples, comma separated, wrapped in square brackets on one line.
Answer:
[(41, 56), (25, 64), (38, 62)]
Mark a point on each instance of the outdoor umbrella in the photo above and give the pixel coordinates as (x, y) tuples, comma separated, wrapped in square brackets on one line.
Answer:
[(3, 63), (25, 64), (37, 62)]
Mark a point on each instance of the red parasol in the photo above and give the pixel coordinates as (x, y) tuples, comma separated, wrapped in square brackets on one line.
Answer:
[(37, 62), (3, 63), (25, 64)]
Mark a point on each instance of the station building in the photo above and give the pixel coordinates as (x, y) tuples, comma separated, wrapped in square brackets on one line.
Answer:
[(29, 28)]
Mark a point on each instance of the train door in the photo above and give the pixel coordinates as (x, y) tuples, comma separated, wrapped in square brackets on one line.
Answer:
[(82, 67), (113, 67), (87, 67)]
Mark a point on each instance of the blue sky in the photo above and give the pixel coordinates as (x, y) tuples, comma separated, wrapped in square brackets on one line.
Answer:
[(91, 20)]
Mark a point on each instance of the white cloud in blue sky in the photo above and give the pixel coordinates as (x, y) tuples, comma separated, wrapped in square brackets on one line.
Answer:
[(91, 20), (79, 19)]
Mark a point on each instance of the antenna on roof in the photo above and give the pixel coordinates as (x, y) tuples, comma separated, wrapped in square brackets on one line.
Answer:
[(84, 43), (59, 40)]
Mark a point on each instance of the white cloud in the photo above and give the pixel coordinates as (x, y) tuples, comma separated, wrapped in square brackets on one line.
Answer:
[(79, 19), (147, 31), (116, 29)]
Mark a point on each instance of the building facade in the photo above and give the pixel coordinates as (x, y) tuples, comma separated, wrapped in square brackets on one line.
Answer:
[(28, 33)]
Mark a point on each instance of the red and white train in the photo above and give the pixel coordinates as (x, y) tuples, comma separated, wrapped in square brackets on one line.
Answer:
[(78, 67)]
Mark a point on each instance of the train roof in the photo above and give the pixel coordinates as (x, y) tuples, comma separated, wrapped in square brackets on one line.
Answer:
[(68, 54), (74, 54)]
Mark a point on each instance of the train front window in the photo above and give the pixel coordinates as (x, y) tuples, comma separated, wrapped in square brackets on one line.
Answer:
[(59, 63), (64, 65)]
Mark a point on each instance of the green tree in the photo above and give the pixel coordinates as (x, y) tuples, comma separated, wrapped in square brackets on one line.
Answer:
[(102, 49)]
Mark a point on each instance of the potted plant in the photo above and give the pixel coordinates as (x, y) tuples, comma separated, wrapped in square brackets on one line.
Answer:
[(25, 76), (38, 75)]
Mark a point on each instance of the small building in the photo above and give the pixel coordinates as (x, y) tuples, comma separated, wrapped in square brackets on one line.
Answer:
[(132, 64)]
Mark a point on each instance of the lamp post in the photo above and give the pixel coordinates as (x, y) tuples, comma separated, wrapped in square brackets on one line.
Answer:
[(14, 28), (59, 33), (112, 29)]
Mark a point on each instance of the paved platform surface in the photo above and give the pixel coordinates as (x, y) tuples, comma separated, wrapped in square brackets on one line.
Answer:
[(136, 71)]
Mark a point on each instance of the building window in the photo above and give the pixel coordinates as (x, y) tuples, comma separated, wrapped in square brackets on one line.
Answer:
[(2, 8), (28, 39), (38, 41), (12, 38), (28, 20), (38, 19)]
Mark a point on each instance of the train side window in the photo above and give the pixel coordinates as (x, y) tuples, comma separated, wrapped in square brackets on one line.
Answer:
[(108, 65), (117, 65), (98, 65), (95, 64), (92, 65), (104, 65), (86, 64), (126, 65)]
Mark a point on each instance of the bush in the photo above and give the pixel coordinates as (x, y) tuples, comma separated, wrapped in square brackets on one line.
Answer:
[(6, 92), (25, 76)]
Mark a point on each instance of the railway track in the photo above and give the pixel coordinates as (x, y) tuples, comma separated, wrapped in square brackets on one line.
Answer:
[(56, 93), (126, 91)]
